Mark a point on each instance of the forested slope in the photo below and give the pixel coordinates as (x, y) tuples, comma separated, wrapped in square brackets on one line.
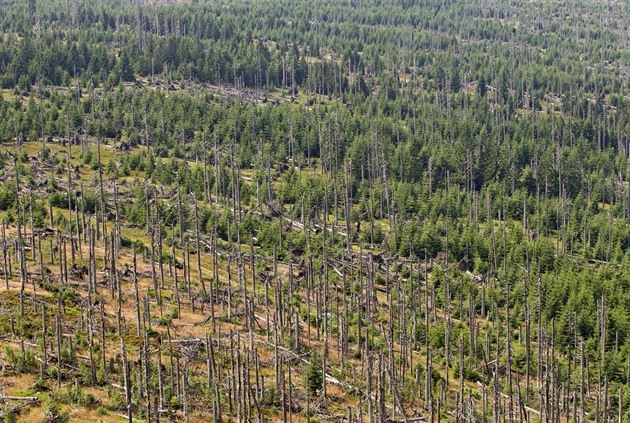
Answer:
[(277, 210)]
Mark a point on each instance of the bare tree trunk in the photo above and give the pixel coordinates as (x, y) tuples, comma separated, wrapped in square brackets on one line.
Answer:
[(127, 377)]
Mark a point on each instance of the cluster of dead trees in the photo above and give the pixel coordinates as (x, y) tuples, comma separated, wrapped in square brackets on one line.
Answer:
[(200, 327)]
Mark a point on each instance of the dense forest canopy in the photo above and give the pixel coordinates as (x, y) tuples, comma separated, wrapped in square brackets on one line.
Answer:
[(424, 204)]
